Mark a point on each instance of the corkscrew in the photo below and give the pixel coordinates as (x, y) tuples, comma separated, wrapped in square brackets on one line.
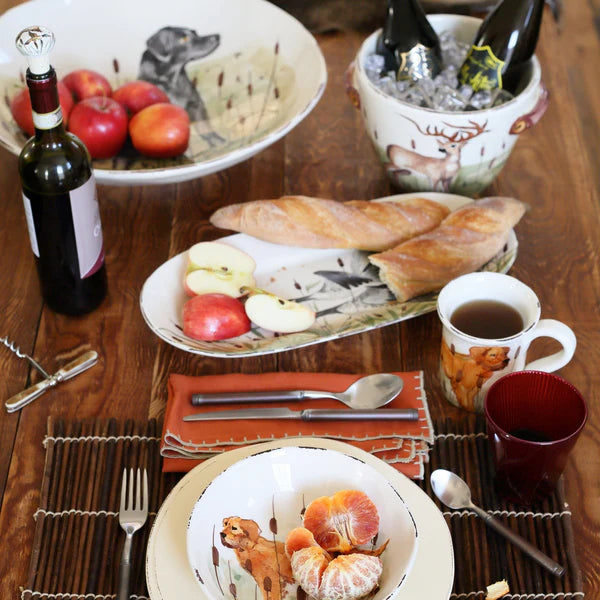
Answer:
[(11, 346), (80, 364)]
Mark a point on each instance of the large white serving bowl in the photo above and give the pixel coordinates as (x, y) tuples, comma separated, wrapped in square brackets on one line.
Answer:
[(268, 492), (266, 74)]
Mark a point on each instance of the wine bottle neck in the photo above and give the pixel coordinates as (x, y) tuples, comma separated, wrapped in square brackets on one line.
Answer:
[(45, 103)]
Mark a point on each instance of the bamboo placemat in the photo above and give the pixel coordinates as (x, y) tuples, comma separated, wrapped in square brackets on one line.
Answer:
[(78, 541)]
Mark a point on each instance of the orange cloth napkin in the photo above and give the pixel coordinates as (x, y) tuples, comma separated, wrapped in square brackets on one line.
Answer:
[(403, 444)]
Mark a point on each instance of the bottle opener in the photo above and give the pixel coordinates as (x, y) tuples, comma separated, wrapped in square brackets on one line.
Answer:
[(80, 364)]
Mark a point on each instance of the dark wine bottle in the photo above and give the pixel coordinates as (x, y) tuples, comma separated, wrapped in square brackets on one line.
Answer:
[(503, 46), (408, 43), (59, 193)]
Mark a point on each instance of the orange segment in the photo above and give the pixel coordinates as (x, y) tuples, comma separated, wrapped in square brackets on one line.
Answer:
[(299, 538), (342, 521), (308, 565)]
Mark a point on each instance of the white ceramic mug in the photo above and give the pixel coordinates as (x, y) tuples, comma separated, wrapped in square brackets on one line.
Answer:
[(468, 364)]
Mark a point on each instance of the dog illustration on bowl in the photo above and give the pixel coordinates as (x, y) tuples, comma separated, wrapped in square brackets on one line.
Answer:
[(163, 63), (264, 559)]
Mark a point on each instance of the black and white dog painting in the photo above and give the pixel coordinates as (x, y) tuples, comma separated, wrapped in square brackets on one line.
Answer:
[(163, 64)]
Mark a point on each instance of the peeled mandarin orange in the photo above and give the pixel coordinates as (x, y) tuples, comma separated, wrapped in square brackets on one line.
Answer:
[(343, 521), (346, 577)]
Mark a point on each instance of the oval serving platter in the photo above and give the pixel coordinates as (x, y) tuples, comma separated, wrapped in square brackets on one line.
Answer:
[(341, 286)]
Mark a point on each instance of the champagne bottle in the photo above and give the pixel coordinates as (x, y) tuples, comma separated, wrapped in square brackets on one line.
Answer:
[(59, 193), (503, 46), (408, 43)]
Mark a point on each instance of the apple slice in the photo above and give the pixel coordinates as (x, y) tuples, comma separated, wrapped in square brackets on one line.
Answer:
[(208, 281), (217, 268), (276, 314)]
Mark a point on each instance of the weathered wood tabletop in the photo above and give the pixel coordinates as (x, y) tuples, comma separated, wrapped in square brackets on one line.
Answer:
[(555, 168)]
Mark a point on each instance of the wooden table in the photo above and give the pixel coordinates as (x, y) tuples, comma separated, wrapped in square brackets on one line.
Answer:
[(554, 168)]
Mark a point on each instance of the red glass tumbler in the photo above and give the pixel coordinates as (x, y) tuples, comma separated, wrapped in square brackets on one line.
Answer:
[(533, 421)]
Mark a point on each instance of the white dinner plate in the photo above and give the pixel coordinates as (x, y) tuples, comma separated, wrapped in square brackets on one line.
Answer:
[(169, 575), (341, 286), (262, 78)]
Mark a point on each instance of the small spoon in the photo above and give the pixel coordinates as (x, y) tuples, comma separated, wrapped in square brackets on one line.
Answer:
[(455, 493), (371, 391)]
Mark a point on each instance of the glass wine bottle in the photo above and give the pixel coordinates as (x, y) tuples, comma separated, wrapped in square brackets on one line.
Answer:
[(503, 46), (59, 193), (408, 43)]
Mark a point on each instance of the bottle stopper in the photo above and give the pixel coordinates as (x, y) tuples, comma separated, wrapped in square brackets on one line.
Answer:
[(35, 44)]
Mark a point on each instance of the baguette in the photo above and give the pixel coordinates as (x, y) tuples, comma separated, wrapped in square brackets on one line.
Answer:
[(467, 239), (320, 223)]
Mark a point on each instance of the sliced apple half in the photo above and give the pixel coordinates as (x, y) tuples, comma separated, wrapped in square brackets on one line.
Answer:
[(276, 314), (218, 268)]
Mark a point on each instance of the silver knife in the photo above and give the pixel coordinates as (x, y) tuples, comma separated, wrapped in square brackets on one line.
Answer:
[(18, 401), (310, 414)]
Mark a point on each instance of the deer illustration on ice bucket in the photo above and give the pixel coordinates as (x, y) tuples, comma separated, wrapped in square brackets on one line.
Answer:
[(440, 171)]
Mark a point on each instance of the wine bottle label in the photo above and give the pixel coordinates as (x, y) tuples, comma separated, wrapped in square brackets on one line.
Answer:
[(482, 69), (47, 120), (417, 63), (88, 229), (31, 226), (84, 212)]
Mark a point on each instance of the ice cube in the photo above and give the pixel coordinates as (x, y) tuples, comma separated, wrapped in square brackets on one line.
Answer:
[(447, 98), (466, 91), (501, 96), (373, 66), (481, 99)]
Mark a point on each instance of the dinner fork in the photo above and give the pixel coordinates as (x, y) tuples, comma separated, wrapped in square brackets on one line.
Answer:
[(132, 517)]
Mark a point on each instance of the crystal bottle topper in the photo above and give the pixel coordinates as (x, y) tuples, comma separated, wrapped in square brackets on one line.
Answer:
[(35, 44)]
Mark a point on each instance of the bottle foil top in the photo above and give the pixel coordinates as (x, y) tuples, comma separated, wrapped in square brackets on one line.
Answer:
[(35, 44)]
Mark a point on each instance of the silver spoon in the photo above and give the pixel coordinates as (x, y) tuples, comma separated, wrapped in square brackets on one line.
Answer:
[(371, 391), (455, 493)]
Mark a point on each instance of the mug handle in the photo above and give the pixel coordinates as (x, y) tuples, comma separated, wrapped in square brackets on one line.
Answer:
[(560, 332)]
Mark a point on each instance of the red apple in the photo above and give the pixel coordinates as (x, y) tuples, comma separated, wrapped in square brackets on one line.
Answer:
[(20, 107), (101, 124), (214, 317), (160, 131), (85, 83), (136, 95)]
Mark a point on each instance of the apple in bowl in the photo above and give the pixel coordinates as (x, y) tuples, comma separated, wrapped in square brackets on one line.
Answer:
[(20, 107), (137, 95), (161, 130), (85, 83), (101, 124)]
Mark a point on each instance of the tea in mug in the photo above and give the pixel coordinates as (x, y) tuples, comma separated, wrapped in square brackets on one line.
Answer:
[(488, 319)]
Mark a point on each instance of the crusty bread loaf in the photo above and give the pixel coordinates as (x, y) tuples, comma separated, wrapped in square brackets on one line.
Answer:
[(467, 239), (320, 223)]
